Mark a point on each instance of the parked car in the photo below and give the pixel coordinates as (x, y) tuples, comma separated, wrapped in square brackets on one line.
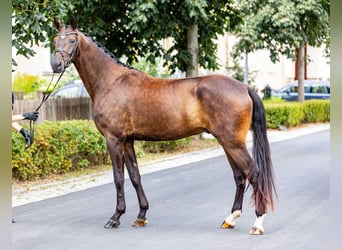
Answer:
[(312, 90), (71, 90)]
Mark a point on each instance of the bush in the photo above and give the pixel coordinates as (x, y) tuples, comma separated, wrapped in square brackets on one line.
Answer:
[(65, 146), (58, 147), (165, 146), (316, 111), (27, 83), (292, 114), (285, 114)]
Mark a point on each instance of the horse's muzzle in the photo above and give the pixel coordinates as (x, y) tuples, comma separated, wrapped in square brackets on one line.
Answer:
[(57, 64)]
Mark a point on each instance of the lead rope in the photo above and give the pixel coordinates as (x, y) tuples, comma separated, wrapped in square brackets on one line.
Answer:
[(46, 95)]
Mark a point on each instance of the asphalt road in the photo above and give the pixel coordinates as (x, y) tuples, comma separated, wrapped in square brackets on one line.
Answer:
[(187, 207)]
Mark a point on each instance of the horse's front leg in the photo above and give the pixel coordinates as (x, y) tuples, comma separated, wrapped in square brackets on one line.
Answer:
[(116, 152), (133, 170)]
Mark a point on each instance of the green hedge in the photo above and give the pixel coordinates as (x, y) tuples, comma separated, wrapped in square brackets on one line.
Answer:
[(61, 147), (290, 114), (316, 111)]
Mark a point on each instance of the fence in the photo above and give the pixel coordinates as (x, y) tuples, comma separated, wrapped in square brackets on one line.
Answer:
[(57, 109)]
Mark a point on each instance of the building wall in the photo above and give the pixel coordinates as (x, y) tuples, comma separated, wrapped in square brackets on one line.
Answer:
[(277, 74), (36, 65)]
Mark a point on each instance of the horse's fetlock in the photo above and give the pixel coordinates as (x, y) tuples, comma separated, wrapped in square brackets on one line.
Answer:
[(121, 210), (144, 206)]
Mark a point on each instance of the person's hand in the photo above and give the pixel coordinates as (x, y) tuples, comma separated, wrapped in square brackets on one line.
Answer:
[(27, 137), (32, 116)]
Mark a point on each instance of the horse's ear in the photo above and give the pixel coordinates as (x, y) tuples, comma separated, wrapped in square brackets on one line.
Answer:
[(57, 23), (73, 22)]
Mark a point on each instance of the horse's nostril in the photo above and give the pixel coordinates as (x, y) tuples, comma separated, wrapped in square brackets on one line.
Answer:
[(57, 65)]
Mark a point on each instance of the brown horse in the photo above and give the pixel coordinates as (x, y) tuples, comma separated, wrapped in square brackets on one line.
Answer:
[(131, 105)]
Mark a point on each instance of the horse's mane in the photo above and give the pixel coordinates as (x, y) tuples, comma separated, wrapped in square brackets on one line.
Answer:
[(109, 53)]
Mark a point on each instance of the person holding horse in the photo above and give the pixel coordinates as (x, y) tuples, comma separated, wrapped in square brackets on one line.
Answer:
[(32, 116)]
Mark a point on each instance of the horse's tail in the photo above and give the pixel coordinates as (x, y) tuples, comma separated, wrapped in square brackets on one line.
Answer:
[(265, 190)]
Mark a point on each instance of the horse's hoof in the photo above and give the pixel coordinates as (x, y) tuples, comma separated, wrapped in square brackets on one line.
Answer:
[(112, 224), (139, 223), (256, 231), (226, 225)]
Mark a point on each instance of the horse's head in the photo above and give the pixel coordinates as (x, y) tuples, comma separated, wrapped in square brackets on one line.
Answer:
[(66, 43)]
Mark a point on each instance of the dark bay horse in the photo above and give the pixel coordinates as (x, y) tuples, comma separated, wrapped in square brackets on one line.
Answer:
[(131, 105)]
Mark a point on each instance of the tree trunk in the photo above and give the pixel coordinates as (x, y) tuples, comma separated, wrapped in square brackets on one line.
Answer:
[(305, 64), (192, 46), (301, 60)]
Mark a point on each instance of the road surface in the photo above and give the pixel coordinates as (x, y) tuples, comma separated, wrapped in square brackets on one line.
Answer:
[(187, 207)]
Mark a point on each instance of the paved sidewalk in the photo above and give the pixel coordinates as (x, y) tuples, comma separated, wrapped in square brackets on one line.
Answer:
[(21, 196)]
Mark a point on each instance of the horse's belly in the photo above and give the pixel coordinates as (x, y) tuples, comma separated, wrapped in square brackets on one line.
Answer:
[(165, 132)]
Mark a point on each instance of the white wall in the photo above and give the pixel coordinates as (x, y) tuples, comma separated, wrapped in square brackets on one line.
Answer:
[(36, 65)]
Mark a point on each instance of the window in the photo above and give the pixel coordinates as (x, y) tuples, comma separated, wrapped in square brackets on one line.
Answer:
[(318, 89)]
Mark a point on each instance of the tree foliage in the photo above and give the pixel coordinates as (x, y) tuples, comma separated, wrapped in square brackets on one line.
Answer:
[(32, 22), (282, 26), (131, 28)]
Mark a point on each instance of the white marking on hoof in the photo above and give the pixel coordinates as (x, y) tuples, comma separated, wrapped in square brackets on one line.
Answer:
[(257, 228), (229, 222)]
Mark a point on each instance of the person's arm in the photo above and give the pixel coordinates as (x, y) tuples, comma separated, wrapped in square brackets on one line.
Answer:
[(33, 116), (16, 118), (16, 126), (24, 133)]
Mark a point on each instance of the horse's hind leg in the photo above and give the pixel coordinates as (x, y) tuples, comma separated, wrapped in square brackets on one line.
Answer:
[(133, 171), (241, 160), (240, 181)]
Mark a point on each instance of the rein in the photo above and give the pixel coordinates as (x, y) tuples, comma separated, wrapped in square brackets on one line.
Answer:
[(46, 94)]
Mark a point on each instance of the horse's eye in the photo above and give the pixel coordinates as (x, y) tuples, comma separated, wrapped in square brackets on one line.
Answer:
[(72, 41)]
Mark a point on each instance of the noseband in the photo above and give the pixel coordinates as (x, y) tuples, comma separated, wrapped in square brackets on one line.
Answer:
[(65, 55)]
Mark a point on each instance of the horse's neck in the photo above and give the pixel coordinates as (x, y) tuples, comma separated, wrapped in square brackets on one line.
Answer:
[(95, 67)]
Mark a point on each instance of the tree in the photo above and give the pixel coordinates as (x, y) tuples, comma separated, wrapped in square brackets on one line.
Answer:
[(32, 23), (193, 25), (133, 29), (283, 27)]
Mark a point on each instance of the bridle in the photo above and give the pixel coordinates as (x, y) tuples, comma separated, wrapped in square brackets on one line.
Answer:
[(67, 57), (66, 60)]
